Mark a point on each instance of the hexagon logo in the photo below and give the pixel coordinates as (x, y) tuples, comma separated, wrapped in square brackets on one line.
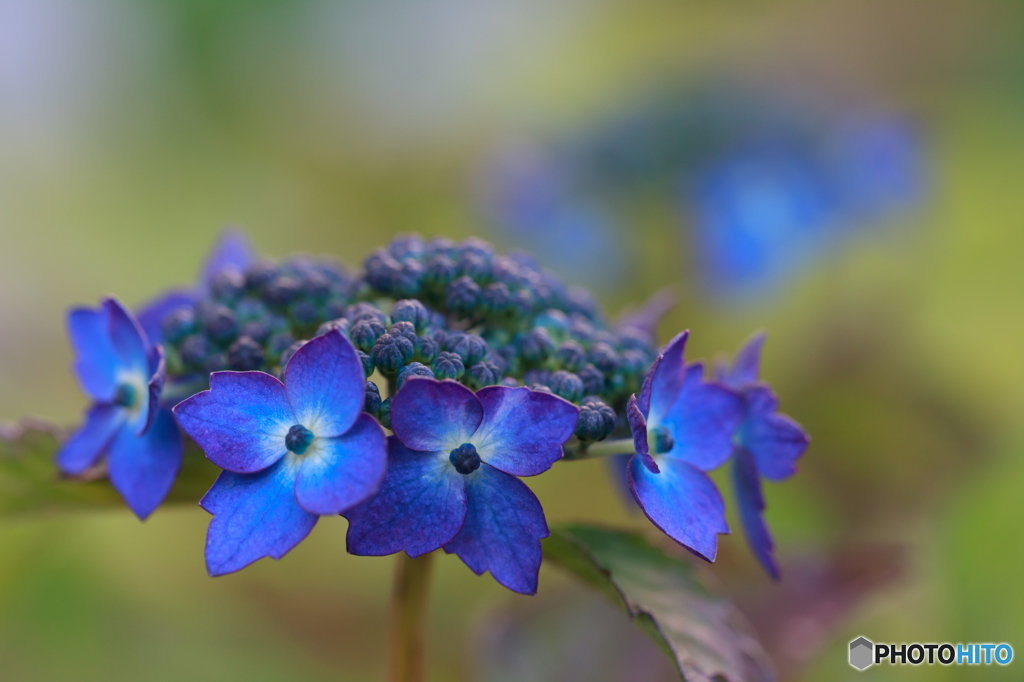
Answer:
[(861, 653)]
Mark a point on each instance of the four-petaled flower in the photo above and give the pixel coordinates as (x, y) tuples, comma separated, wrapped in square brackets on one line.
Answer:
[(124, 375), (767, 444), (451, 480), (290, 451), (682, 427)]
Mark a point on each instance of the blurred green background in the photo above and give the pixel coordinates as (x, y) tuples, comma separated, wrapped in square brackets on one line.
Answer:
[(132, 132)]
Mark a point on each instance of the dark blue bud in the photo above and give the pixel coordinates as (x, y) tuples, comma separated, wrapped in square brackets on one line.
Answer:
[(407, 246), (385, 413), (474, 266), (470, 347), (567, 385), (581, 330), (219, 323), (438, 272), (495, 299), (365, 333), (536, 346), (367, 362), (448, 366), (277, 344), (412, 311), (633, 338), (178, 324), (257, 330), (426, 349), (477, 247), (288, 352), (605, 336), (413, 369), (372, 400), (404, 329), (596, 421), (555, 321), (509, 354), (335, 307), (632, 362), (593, 380), (259, 274), (465, 459), (409, 279), (277, 324), (484, 373), (304, 313), (298, 439), (441, 336), (523, 303), (227, 285), (571, 356), (604, 357), (463, 295), (193, 351), (249, 309), (365, 311), (441, 245), (388, 354), (245, 354), (382, 270), (314, 284), (280, 291), (536, 376), (506, 270), (341, 324), (216, 362)]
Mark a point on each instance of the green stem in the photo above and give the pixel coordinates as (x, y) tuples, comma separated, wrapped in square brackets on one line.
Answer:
[(605, 448), (408, 611)]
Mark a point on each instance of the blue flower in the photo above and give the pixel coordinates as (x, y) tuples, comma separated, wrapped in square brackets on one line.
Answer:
[(451, 481), (767, 445), (124, 375), (291, 451), (231, 252), (682, 427)]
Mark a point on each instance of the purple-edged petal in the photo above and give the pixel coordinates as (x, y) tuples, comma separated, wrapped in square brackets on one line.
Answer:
[(232, 250), (96, 363), (152, 314), (127, 338), (254, 515), (503, 529), (747, 365), (421, 506), (241, 422), (751, 502), (775, 440), (337, 473), (143, 468), (638, 427), (683, 502), (667, 377), (703, 421), (432, 416), (522, 431), (87, 445), (325, 385)]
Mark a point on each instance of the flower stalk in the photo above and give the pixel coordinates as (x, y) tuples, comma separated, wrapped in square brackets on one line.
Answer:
[(408, 613), (605, 448)]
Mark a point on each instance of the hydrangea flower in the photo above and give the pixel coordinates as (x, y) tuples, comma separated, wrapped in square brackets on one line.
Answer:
[(682, 427), (767, 444), (451, 480), (232, 251), (291, 452), (123, 374)]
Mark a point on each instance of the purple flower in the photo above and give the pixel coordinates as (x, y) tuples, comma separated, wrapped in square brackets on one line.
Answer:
[(451, 481), (232, 251), (123, 374), (767, 444), (291, 451), (682, 427)]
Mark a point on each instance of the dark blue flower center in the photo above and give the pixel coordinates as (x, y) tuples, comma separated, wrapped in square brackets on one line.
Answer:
[(125, 395), (663, 441), (299, 439), (465, 459)]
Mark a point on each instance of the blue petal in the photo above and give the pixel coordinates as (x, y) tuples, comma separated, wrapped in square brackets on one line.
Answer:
[(431, 416), (522, 431), (638, 427), (87, 445), (504, 526), (151, 315), (143, 468), (254, 515), (683, 502), (96, 363), (775, 440), (155, 388), (666, 379), (420, 507), (703, 421), (232, 250), (747, 365), (337, 473), (751, 502), (127, 338), (325, 385), (241, 422)]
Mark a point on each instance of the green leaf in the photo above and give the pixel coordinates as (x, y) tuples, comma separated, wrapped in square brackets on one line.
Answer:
[(700, 630), (30, 482)]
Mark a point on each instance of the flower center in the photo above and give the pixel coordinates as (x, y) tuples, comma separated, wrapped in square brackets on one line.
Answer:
[(299, 439), (660, 440), (125, 395), (465, 459)]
